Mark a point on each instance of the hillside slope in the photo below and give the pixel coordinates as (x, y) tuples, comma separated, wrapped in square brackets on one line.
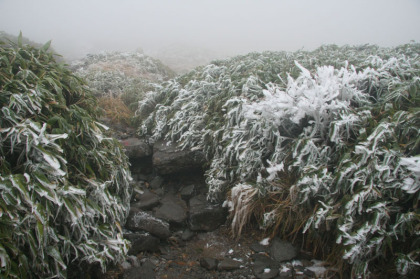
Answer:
[(323, 144)]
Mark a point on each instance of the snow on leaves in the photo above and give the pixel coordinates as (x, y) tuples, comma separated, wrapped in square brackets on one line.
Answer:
[(343, 122)]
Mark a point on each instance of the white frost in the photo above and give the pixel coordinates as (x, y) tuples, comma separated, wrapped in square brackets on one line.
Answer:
[(265, 241)]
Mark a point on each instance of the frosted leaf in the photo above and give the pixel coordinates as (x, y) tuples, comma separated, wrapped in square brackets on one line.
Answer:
[(54, 163)]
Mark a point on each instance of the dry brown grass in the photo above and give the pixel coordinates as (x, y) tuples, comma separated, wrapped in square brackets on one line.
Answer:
[(116, 110)]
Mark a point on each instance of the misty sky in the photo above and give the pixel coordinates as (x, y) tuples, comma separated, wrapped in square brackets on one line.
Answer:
[(80, 26)]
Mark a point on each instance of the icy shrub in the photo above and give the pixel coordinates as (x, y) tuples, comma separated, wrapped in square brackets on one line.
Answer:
[(122, 74), (64, 185), (328, 139)]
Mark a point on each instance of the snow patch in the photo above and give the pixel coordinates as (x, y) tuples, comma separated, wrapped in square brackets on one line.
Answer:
[(265, 241)]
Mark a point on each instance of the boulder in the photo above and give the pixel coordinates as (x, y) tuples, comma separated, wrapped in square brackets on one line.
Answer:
[(156, 182), (259, 248), (264, 267), (281, 250), (142, 242), (147, 200), (136, 148), (187, 191), (142, 221), (205, 216), (168, 159), (228, 264), (145, 271), (172, 209), (266, 273), (208, 263), (187, 235)]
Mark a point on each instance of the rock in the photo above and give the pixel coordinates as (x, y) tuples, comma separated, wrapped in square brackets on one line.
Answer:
[(147, 200), (187, 191), (205, 216), (142, 242), (187, 235), (258, 248), (133, 260), (173, 210), (264, 267), (228, 265), (136, 148), (126, 265), (285, 273), (143, 221), (208, 263), (145, 271), (132, 273), (156, 182), (281, 250), (148, 270), (266, 273), (168, 159)]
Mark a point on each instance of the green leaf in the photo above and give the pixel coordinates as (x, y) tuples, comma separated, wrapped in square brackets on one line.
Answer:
[(20, 44), (46, 46), (55, 254)]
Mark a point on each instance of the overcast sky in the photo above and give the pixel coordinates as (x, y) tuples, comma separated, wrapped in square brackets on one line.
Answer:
[(80, 26)]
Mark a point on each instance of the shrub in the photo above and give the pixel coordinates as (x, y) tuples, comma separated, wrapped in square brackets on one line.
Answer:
[(64, 184), (122, 74), (328, 138)]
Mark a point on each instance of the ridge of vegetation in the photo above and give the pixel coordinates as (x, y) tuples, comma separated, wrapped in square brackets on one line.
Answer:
[(323, 145), (125, 75), (64, 184)]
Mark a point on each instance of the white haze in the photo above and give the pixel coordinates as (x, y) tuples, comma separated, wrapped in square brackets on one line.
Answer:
[(226, 27)]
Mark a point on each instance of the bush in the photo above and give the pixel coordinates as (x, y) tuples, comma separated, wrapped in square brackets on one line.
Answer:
[(122, 74), (64, 184), (323, 143)]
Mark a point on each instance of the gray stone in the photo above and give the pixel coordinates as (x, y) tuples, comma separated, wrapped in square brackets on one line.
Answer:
[(259, 248), (133, 260), (142, 242), (168, 159), (173, 209), (142, 221), (126, 265), (132, 273), (208, 263), (187, 191), (285, 274), (281, 250), (136, 148), (147, 200), (148, 270), (205, 216), (156, 182), (264, 267), (266, 273), (145, 271), (187, 235), (228, 264)]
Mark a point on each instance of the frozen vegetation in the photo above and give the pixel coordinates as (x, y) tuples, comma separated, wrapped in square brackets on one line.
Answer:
[(124, 74), (320, 146), (64, 184), (323, 145)]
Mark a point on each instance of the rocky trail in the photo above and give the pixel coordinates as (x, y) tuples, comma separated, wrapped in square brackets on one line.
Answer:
[(176, 233)]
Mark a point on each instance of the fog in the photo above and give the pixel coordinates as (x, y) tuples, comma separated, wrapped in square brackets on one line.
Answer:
[(226, 27)]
